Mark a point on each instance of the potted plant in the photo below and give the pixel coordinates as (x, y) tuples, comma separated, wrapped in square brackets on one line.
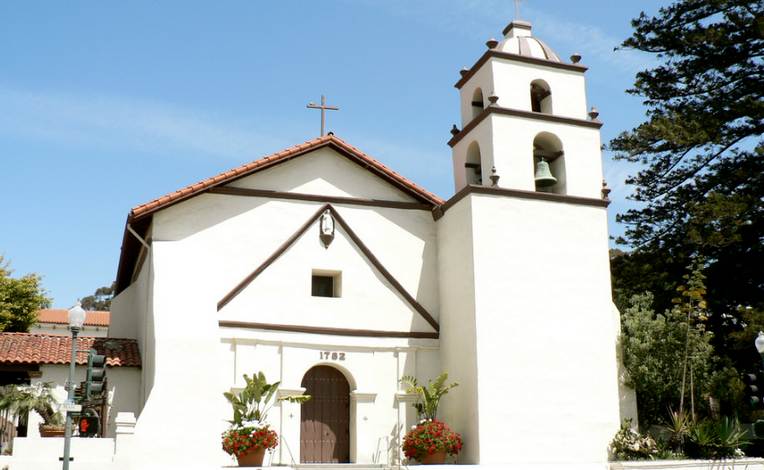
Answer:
[(249, 435), (431, 440), (21, 400)]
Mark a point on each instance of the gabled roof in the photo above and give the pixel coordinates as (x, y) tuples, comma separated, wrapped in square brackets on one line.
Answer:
[(29, 348), (138, 218), (330, 140), (60, 316)]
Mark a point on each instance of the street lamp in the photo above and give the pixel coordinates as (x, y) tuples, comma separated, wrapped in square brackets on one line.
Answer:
[(76, 320), (759, 343)]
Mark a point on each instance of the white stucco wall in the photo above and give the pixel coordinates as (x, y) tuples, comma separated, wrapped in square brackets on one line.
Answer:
[(512, 84), (458, 336), (205, 246), (513, 149), (132, 317), (232, 235), (372, 366), (546, 338), (511, 81)]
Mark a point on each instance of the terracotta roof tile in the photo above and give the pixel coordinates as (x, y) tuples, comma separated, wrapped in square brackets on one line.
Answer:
[(382, 170), (28, 348), (61, 316)]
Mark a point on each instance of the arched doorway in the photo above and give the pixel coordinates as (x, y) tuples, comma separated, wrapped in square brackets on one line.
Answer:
[(325, 421)]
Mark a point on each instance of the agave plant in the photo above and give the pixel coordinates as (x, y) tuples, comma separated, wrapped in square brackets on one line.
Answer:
[(429, 395), (251, 405), (678, 427)]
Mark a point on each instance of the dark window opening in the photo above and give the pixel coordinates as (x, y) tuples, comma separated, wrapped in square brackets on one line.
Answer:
[(325, 285)]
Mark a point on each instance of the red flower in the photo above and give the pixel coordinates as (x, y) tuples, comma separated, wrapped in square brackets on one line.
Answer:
[(430, 437)]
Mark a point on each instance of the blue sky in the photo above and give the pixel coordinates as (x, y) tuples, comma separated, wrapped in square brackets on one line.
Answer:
[(106, 105)]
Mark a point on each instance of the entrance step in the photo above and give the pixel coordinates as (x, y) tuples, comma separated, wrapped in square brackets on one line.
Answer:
[(339, 466)]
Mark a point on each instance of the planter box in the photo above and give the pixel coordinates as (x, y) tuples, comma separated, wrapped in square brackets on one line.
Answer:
[(744, 463)]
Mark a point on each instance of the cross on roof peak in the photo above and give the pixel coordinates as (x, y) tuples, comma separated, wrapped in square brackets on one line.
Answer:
[(323, 107)]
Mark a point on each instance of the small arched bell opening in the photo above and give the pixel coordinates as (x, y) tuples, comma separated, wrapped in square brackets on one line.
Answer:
[(478, 104), (541, 97), (549, 164), (473, 168)]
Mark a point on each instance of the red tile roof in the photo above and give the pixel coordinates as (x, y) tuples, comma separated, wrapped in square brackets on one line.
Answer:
[(61, 316), (354, 153), (29, 348)]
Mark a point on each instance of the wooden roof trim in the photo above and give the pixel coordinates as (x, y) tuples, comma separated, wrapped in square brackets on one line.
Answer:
[(356, 240), (595, 124), (517, 193), (320, 330), (270, 194), (517, 58)]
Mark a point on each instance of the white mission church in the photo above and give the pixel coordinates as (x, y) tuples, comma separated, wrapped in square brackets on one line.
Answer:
[(337, 276)]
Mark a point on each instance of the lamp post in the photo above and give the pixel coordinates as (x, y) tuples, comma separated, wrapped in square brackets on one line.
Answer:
[(76, 320), (759, 343)]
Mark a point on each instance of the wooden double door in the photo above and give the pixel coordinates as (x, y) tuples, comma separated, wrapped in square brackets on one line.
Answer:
[(325, 421)]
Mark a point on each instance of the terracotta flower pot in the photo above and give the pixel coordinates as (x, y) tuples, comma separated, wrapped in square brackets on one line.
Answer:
[(434, 459), (253, 458), (50, 430)]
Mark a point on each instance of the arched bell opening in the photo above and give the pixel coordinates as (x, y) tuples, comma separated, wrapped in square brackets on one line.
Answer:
[(473, 168), (478, 104), (549, 164), (541, 97)]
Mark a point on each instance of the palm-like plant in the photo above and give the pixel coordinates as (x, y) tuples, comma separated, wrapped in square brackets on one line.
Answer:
[(20, 400), (429, 395), (251, 405)]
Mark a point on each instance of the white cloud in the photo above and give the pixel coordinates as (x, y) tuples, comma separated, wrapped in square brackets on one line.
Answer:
[(95, 120)]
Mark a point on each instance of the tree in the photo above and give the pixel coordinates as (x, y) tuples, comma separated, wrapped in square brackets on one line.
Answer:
[(20, 299), (700, 185), (657, 349), (100, 300)]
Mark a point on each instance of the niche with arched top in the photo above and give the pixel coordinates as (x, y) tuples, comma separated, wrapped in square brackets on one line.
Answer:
[(473, 168), (478, 104), (541, 97), (549, 163)]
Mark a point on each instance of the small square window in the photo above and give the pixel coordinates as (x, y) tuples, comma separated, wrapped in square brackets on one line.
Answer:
[(325, 284)]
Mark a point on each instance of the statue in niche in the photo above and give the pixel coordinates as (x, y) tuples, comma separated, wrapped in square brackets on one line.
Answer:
[(326, 227)]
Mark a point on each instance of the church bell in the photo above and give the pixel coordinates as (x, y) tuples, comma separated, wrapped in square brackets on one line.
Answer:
[(544, 177)]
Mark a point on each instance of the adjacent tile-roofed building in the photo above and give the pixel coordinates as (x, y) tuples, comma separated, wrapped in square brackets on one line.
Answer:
[(60, 316), (28, 348)]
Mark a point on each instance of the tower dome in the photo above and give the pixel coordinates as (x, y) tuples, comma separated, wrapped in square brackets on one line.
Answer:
[(518, 40)]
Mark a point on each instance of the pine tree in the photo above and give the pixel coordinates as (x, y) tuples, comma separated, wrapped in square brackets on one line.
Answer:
[(700, 151)]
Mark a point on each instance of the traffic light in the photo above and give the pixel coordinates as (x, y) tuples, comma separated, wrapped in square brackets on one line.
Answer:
[(89, 424), (755, 390), (96, 374)]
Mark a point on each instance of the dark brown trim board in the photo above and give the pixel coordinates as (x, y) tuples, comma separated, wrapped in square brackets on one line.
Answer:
[(273, 257), (523, 114), (517, 58), (358, 242), (439, 211), (233, 191), (328, 331)]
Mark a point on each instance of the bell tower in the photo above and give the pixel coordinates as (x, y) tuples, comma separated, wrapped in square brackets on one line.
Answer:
[(524, 114), (528, 326)]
